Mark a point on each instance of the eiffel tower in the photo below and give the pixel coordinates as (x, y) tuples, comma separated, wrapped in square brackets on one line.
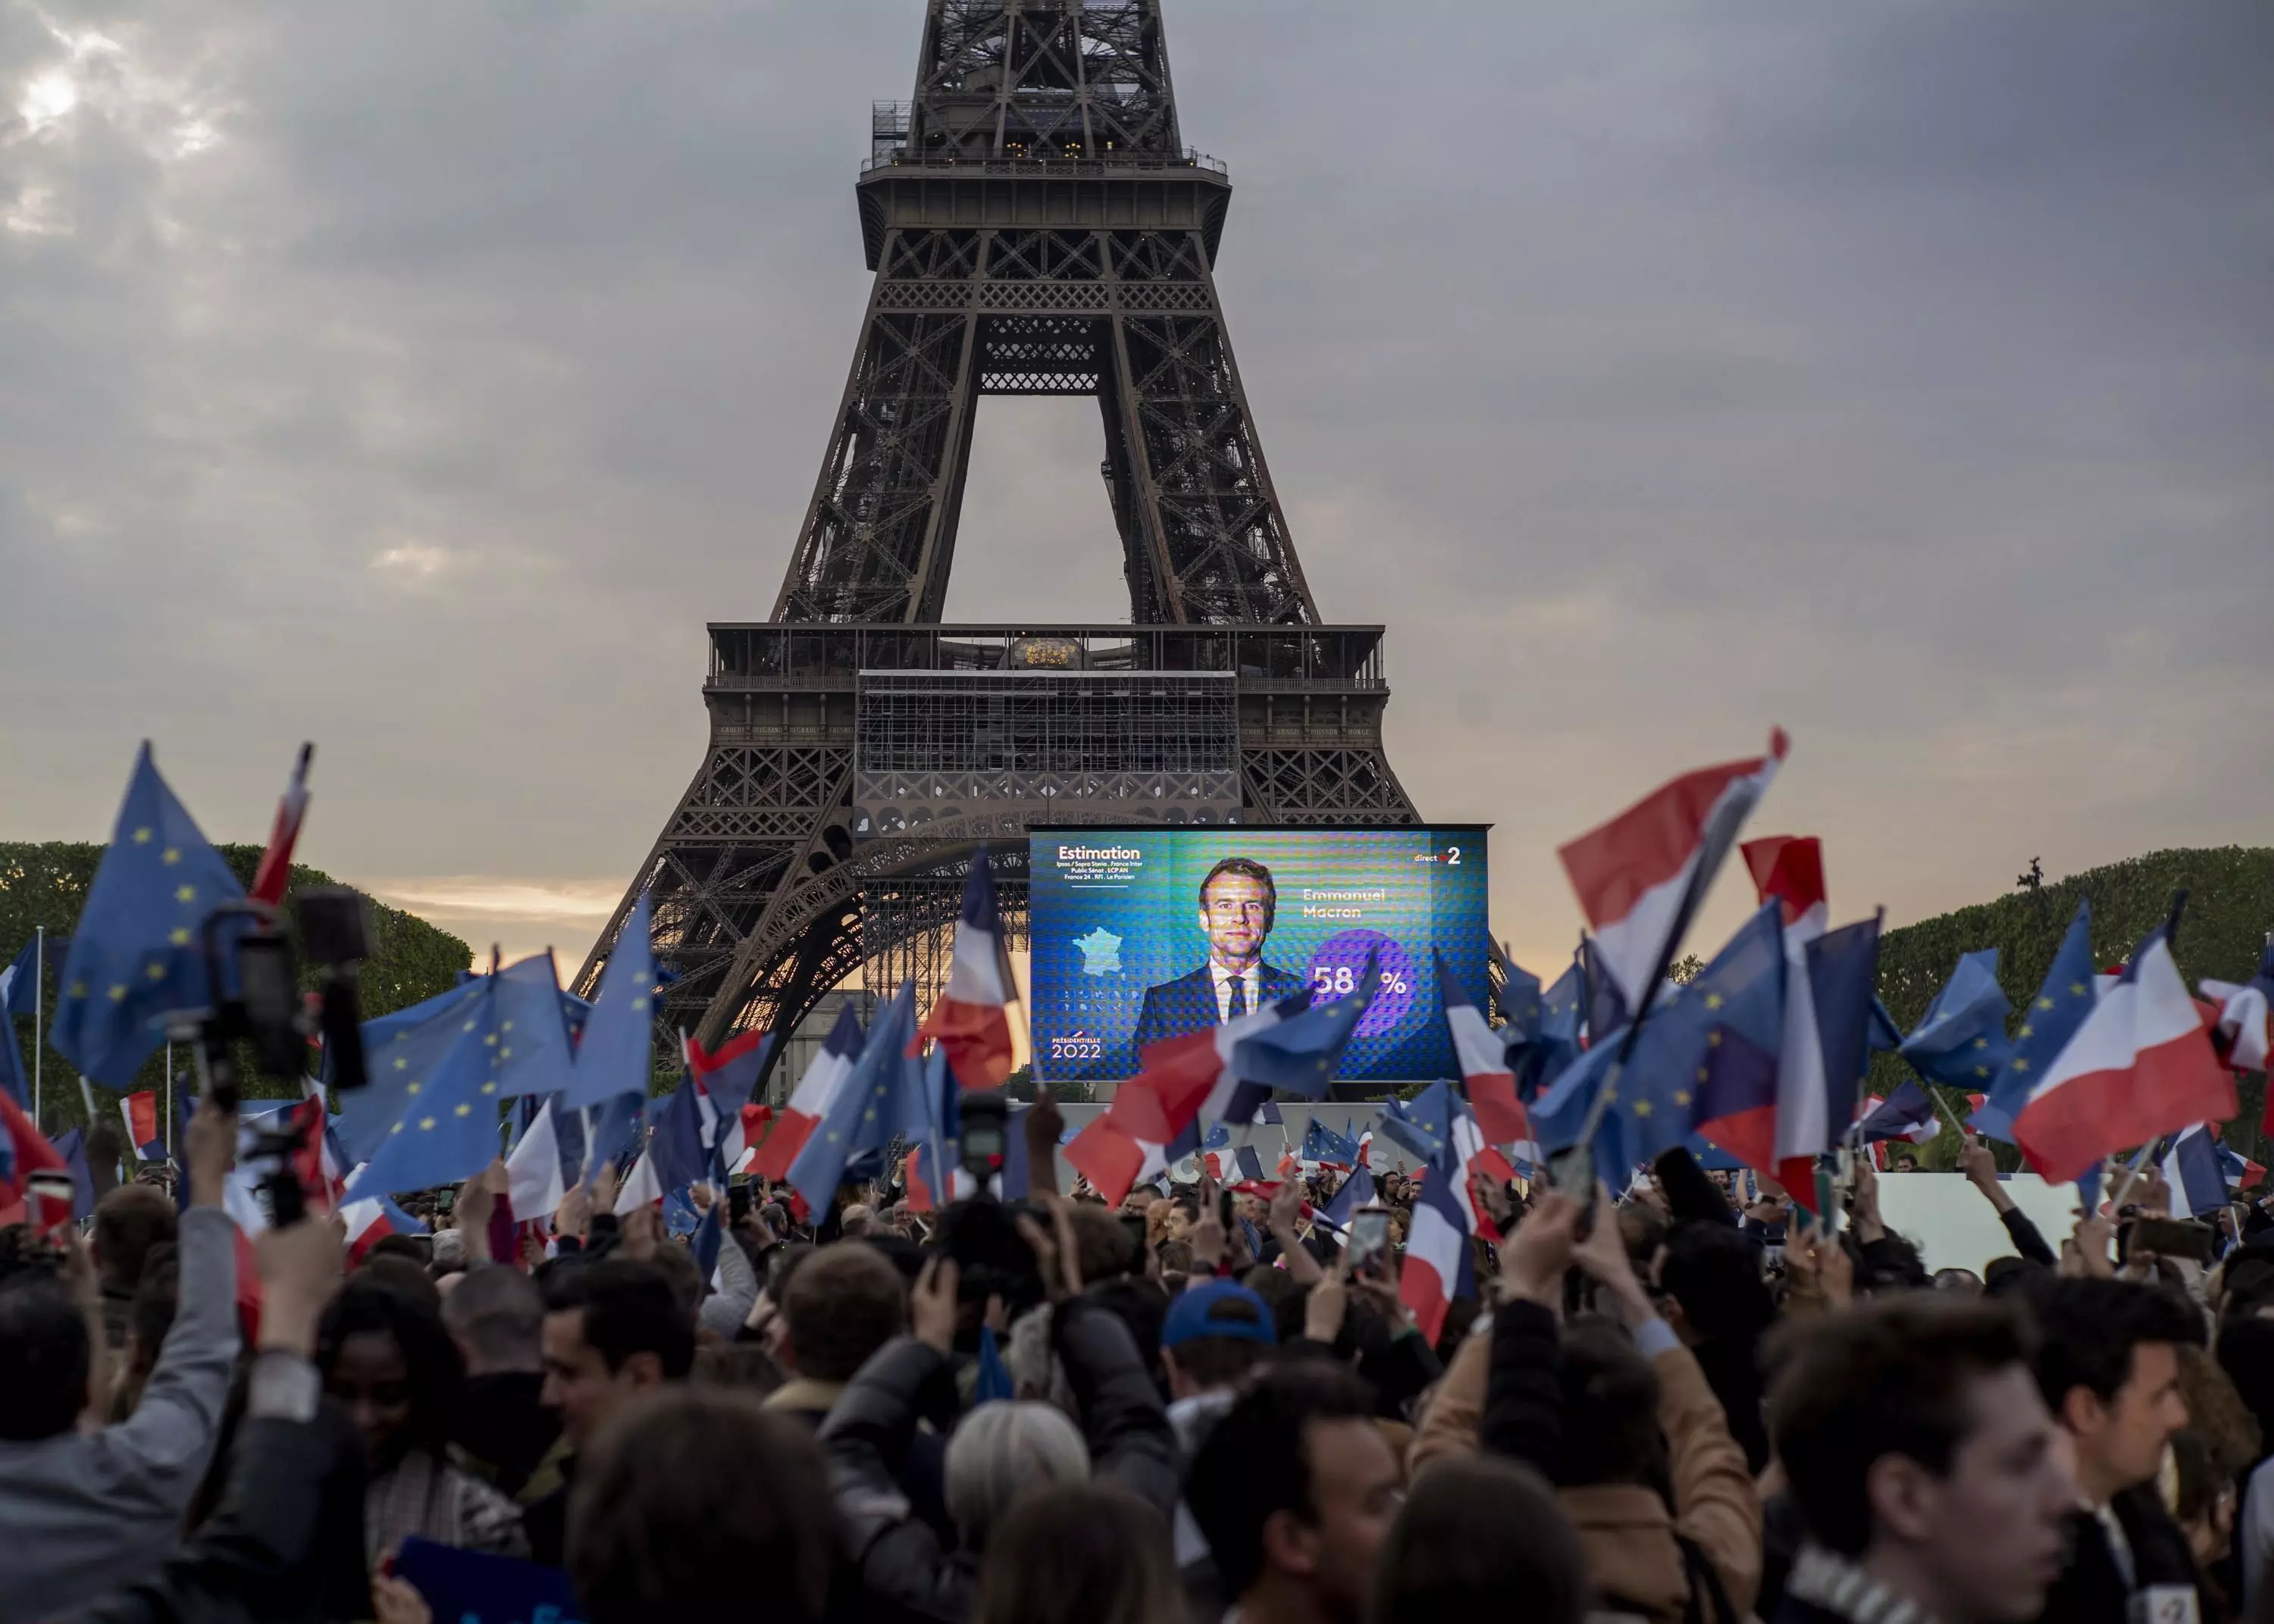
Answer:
[(1036, 226)]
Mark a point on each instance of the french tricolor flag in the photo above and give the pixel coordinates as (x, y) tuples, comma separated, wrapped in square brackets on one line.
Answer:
[(1484, 1063), (1439, 1261), (2194, 1171), (2141, 1066), (1784, 1136), (2246, 1027), (275, 871), (972, 1020), (141, 1111), (1638, 876), (1114, 1160), (370, 1220), (816, 1092)]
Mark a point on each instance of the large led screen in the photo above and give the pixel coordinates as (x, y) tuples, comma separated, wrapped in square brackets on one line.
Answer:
[(1143, 933)]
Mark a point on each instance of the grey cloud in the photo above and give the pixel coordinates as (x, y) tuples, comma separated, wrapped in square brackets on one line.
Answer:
[(1895, 370)]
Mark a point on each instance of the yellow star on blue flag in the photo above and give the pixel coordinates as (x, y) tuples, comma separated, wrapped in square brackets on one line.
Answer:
[(139, 953)]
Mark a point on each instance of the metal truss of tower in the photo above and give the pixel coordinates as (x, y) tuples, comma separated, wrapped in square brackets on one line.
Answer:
[(1036, 226)]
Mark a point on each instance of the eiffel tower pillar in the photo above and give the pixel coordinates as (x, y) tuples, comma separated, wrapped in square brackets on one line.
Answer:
[(1036, 226)]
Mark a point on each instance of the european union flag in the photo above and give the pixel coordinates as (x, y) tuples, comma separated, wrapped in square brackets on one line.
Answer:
[(367, 1113), (1962, 1039), (1607, 1005), (140, 951), (1218, 1137), (1321, 1143), (502, 1034), (1421, 1126), (1843, 965), (2064, 999), (676, 1143), (882, 1098), (1711, 1051), (617, 1055), (1356, 1191), (1556, 1044), (1299, 1054), (1559, 1113), (614, 1132)]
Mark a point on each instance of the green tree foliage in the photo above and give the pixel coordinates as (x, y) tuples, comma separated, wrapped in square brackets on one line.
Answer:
[(2230, 909), (1020, 1086), (47, 885)]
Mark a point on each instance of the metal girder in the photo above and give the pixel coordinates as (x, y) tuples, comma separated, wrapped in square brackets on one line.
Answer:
[(1036, 227)]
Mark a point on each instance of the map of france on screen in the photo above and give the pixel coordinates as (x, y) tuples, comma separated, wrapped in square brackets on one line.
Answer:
[(1127, 950)]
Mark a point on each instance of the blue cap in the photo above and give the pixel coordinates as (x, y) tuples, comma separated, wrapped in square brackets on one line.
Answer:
[(1218, 1308)]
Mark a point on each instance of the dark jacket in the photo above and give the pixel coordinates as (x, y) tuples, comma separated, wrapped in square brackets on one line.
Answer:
[(1188, 1003), (504, 1429), (286, 1546), (905, 1568), (2091, 1588)]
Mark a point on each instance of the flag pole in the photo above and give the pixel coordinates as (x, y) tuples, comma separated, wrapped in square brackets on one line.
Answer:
[(169, 1098), (39, 1013)]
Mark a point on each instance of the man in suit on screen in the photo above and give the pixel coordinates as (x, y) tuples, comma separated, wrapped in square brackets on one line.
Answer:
[(1238, 903)]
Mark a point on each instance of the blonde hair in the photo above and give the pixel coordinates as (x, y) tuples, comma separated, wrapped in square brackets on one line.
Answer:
[(1002, 1451)]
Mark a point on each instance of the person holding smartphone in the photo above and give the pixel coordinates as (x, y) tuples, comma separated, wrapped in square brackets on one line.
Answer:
[(87, 1511)]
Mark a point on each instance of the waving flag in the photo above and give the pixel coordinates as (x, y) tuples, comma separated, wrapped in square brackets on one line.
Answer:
[(1113, 1160), (1482, 1058), (1962, 1038), (2140, 1066), (729, 1075), (2193, 1170), (276, 870), (1550, 1053), (2246, 1030), (1356, 1191), (537, 1175), (881, 1099), (1906, 1114), (140, 951), (1194, 1079), (678, 1143), (1440, 1263), (1421, 1126), (2063, 1001), (1639, 875), (1843, 966), (643, 1186), (971, 1021), (617, 1052), (1301, 1053), (816, 1092), (445, 1075), (143, 1131), (19, 994), (1321, 1143)]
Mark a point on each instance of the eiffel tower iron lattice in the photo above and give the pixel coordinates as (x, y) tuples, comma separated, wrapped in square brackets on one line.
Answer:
[(1036, 226)]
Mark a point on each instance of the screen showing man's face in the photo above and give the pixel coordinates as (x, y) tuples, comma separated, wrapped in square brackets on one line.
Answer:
[(1233, 913)]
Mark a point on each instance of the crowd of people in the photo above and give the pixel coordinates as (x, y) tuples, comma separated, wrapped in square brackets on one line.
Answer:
[(1693, 1404)]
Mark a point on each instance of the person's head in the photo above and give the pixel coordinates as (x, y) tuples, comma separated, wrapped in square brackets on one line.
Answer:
[(1084, 1553), (683, 1276), (1714, 1275), (128, 1223), (843, 1303), (1911, 1430), (1964, 1282), (1473, 1533), (743, 1366), (1214, 1336), (1610, 1409), (447, 1249), (45, 1354), (2108, 1366), (1294, 1488), (1104, 1242), (418, 1249), (1141, 1198), (686, 1494), (1903, 1162), (497, 1318), (399, 1274), (613, 1331), (387, 1360), (1643, 1229), (858, 1220), (1000, 1453), (1237, 904)]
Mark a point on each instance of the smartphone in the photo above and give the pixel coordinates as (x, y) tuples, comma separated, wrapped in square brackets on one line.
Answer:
[(1370, 1241), (48, 1201), (1571, 1172), (738, 1202), (1133, 1225), (2170, 1238)]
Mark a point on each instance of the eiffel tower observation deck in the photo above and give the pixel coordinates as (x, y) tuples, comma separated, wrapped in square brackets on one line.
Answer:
[(1036, 225)]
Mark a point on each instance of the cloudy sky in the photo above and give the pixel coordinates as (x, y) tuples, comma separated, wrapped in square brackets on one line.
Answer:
[(420, 377)]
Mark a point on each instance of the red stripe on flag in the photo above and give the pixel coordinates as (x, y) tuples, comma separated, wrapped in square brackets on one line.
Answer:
[(1108, 1157), (1645, 846), (2066, 1131)]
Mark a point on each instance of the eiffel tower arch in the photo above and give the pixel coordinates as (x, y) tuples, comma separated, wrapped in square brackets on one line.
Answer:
[(1036, 226)]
